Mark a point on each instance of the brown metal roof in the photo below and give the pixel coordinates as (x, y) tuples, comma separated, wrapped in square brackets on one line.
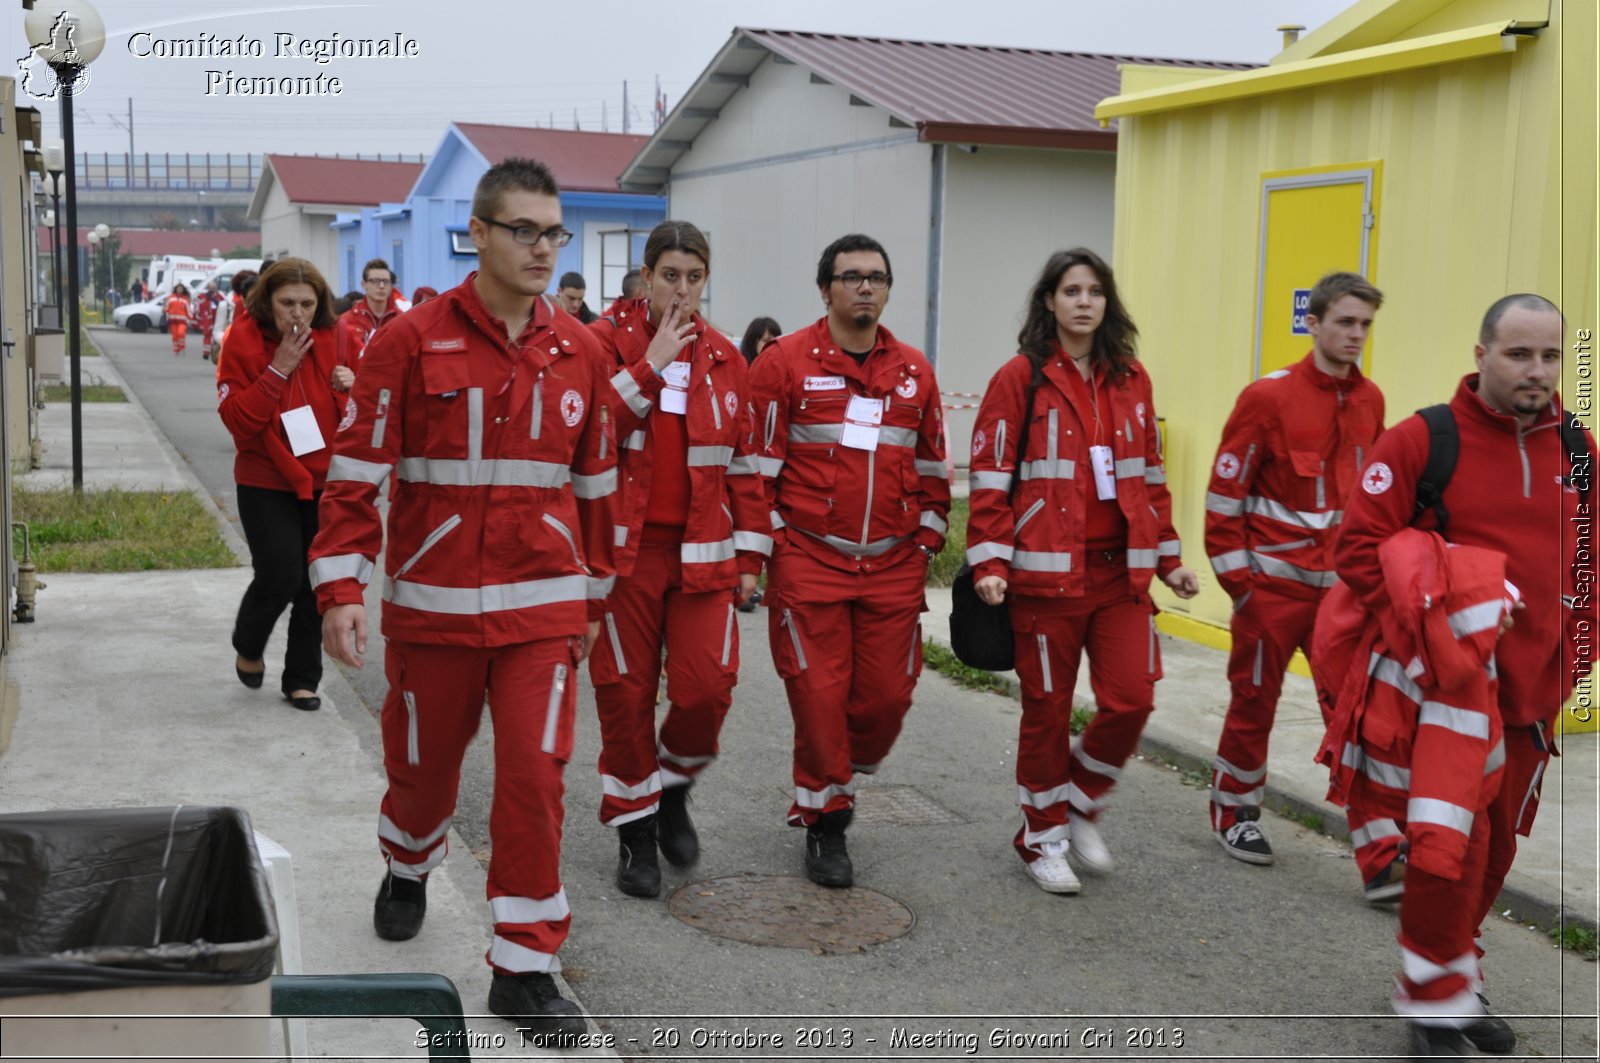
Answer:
[(974, 94), (580, 161)]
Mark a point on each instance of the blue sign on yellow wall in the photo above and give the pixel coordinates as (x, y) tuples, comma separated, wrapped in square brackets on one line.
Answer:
[(1302, 302)]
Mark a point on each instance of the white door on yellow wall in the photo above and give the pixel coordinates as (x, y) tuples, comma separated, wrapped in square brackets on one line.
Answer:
[(1313, 221)]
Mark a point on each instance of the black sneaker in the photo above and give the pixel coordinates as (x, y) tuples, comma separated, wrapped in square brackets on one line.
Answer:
[(638, 871), (675, 830), (1388, 885), (827, 861), (401, 904), (1437, 1041), (750, 606), (533, 1002), (1244, 840), (1491, 1033)]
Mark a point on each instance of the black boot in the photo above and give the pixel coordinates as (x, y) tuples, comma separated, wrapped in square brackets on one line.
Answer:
[(1429, 1041), (1491, 1033), (827, 861), (679, 842), (532, 1001), (398, 911), (638, 871)]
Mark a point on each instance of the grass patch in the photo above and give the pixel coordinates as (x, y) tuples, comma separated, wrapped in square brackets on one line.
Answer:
[(1309, 820), (91, 393), (943, 659), (942, 569), (118, 531), (1579, 939)]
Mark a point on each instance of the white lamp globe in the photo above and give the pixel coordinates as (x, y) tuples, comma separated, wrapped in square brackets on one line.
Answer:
[(81, 40), (102, 230), (93, 238), (55, 155)]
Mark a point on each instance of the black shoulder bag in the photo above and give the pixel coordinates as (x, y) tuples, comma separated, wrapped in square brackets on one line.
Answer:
[(980, 633)]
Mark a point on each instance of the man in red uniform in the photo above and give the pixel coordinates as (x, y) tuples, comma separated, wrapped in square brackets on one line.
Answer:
[(1290, 453), (380, 303), (853, 452), (1516, 490), (490, 409)]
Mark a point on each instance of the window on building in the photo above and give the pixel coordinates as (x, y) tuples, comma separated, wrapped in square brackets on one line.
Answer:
[(461, 243), (398, 261)]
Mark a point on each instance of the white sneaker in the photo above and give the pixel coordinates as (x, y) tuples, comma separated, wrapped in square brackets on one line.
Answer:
[(1052, 872), (1088, 846)]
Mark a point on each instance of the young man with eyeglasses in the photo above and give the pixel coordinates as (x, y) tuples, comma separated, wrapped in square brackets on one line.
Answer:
[(490, 409), (852, 449), (379, 304)]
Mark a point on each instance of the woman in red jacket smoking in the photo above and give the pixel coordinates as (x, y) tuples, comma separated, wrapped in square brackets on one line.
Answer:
[(692, 533), (275, 394), (1074, 546)]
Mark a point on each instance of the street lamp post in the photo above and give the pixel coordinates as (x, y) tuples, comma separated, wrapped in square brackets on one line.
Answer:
[(55, 160), (69, 35)]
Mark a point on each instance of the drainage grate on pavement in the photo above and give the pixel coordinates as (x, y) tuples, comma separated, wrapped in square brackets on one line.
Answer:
[(900, 806), (790, 912)]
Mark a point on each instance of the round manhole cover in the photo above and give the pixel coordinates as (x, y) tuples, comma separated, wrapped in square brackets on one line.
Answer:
[(791, 913)]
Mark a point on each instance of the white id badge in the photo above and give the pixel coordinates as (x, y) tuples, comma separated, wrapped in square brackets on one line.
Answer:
[(862, 421), (304, 434), (1105, 472), (675, 395)]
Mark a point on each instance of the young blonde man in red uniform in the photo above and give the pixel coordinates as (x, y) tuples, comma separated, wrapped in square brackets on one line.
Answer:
[(1290, 453), (852, 436), (489, 408)]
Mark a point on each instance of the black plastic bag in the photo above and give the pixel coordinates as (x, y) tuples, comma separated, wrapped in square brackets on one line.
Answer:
[(980, 634), (112, 898)]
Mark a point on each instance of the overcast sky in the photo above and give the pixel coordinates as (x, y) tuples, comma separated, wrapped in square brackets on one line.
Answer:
[(518, 62)]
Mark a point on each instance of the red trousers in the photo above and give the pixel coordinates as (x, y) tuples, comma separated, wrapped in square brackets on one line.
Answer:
[(647, 611), (1267, 628), (838, 640), (1117, 628), (179, 331), (434, 704), (1513, 809), (1439, 976)]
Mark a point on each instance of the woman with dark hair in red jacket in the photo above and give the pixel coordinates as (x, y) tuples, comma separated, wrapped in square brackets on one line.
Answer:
[(1075, 546), (275, 394)]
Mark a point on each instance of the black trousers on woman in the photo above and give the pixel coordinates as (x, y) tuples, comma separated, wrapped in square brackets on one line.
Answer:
[(279, 528)]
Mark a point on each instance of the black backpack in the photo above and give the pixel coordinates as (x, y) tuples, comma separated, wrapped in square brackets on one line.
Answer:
[(1444, 446)]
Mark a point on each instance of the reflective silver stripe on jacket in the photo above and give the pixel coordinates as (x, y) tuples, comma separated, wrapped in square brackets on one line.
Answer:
[(1391, 775), (744, 465), (598, 485), (1231, 561), (929, 519), (599, 589), (1141, 558), (706, 553), (353, 470), (634, 440), (1304, 518), (854, 549), (1128, 468), (752, 541), (931, 468), (1223, 506), (1440, 813), (628, 388), (988, 481), (710, 456), (1467, 722), (1155, 474), (1169, 548), (474, 424), (1276, 566), (770, 467), (341, 566), (831, 433), (494, 598), (1050, 469), (1388, 670), (1476, 618), (988, 552), (493, 472), (1041, 561)]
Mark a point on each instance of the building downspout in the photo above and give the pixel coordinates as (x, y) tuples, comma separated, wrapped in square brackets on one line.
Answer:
[(930, 338)]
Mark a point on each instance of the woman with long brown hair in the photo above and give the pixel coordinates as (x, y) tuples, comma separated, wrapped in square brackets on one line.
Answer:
[(275, 394), (1070, 520), (692, 533)]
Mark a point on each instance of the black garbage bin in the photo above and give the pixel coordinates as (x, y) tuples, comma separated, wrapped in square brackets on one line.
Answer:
[(131, 913)]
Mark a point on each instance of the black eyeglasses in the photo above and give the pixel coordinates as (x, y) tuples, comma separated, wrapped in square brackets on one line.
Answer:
[(852, 279), (530, 235)]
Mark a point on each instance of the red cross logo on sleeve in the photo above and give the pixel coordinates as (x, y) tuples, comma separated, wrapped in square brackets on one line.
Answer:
[(1378, 479), (1227, 466)]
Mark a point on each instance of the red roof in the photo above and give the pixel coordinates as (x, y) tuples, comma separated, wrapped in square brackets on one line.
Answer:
[(197, 243), (347, 182), (581, 162), (974, 93)]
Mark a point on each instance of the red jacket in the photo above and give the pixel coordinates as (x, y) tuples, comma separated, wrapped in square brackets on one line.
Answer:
[(1036, 543), (1291, 451), (842, 504), (251, 396), (1512, 491), (728, 516), (500, 523), (1416, 734), (356, 326)]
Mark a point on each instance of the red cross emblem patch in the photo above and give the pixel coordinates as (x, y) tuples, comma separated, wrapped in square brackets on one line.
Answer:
[(1377, 479)]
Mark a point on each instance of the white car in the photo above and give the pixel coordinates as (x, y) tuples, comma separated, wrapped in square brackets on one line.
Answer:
[(141, 317)]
